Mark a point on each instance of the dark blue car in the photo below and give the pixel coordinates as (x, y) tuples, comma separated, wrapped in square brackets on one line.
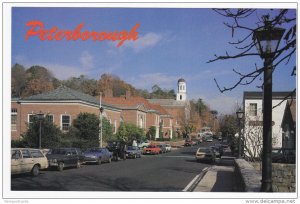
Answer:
[(133, 152), (97, 155)]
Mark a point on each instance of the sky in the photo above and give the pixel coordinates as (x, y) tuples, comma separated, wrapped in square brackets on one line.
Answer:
[(172, 43)]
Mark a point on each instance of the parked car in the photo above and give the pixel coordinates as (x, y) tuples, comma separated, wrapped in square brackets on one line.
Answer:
[(208, 137), (219, 148), (216, 151), (133, 152), (196, 141), (168, 147), (97, 155), (27, 160), (205, 154), (151, 149), (144, 144), (162, 148), (189, 143), (65, 157)]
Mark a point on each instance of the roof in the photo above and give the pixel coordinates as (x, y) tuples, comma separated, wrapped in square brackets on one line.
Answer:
[(290, 107), (125, 103), (63, 94), (181, 80), (135, 102), (168, 102), (259, 94)]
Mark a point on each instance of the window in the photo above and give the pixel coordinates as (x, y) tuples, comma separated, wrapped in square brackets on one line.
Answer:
[(253, 109), (15, 154), (36, 154), (49, 118), (115, 127), (25, 154), (14, 113), (162, 122), (65, 122), (30, 118)]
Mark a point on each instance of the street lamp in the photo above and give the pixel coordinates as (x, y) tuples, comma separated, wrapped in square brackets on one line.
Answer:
[(240, 115), (267, 40), (100, 124), (40, 117)]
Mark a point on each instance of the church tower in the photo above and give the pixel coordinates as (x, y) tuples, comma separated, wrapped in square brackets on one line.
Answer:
[(181, 93)]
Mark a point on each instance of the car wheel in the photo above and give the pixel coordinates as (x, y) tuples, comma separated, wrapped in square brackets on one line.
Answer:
[(98, 161), (35, 170), (60, 166), (78, 165)]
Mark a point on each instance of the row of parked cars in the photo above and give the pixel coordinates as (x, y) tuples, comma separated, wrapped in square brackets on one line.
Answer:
[(27, 160), (211, 153)]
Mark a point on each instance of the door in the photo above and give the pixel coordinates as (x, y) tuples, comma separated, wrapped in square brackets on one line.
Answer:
[(26, 162)]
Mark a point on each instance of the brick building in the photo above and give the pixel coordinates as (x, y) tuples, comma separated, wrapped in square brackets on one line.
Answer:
[(138, 111), (61, 106)]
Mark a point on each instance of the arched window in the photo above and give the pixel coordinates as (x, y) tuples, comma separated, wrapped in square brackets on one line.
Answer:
[(180, 97)]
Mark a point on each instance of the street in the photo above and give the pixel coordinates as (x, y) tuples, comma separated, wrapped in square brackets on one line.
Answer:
[(169, 172)]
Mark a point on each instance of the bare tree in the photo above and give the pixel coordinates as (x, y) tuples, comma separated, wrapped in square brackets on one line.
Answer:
[(246, 46), (253, 137)]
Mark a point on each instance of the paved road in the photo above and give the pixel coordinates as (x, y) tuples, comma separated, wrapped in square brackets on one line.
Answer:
[(162, 173)]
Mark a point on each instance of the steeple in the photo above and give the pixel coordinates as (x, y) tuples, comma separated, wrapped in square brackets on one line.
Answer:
[(181, 92)]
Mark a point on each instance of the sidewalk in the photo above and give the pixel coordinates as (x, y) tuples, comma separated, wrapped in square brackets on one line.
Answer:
[(218, 178)]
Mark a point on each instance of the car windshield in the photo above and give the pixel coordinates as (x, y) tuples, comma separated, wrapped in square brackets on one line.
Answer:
[(204, 150), (151, 146)]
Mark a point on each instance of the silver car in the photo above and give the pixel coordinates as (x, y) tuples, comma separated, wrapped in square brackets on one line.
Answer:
[(27, 160)]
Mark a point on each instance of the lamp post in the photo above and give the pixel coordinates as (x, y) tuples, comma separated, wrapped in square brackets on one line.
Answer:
[(240, 115), (267, 40), (40, 117), (100, 124)]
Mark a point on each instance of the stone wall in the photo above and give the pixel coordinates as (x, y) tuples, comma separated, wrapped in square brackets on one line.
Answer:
[(248, 178), (283, 176)]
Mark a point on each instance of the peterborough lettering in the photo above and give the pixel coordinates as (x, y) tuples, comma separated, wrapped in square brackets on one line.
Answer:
[(36, 28)]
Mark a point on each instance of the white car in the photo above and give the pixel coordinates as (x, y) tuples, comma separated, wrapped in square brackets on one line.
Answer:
[(168, 147), (144, 144), (27, 160)]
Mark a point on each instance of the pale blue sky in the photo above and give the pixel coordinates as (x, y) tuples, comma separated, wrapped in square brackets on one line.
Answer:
[(173, 43)]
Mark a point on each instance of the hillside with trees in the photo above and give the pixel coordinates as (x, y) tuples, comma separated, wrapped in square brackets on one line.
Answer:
[(38, 79)]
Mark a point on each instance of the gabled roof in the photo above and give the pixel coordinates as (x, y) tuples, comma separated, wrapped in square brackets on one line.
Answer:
[(168, 102), (290, 109), (64, 94)]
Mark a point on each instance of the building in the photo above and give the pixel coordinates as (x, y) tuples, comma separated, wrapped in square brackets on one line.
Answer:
[(288, 126), (253, 103), (61, 106), (138, 111), (179, 108)]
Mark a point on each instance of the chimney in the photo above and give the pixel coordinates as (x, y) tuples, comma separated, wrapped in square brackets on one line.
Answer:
[(128, 95)]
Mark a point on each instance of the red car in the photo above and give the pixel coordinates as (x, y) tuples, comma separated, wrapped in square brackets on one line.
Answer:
[(189, 143), (151, 149)]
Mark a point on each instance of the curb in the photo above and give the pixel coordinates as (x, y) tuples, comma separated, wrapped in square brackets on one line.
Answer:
[(192, 185)]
